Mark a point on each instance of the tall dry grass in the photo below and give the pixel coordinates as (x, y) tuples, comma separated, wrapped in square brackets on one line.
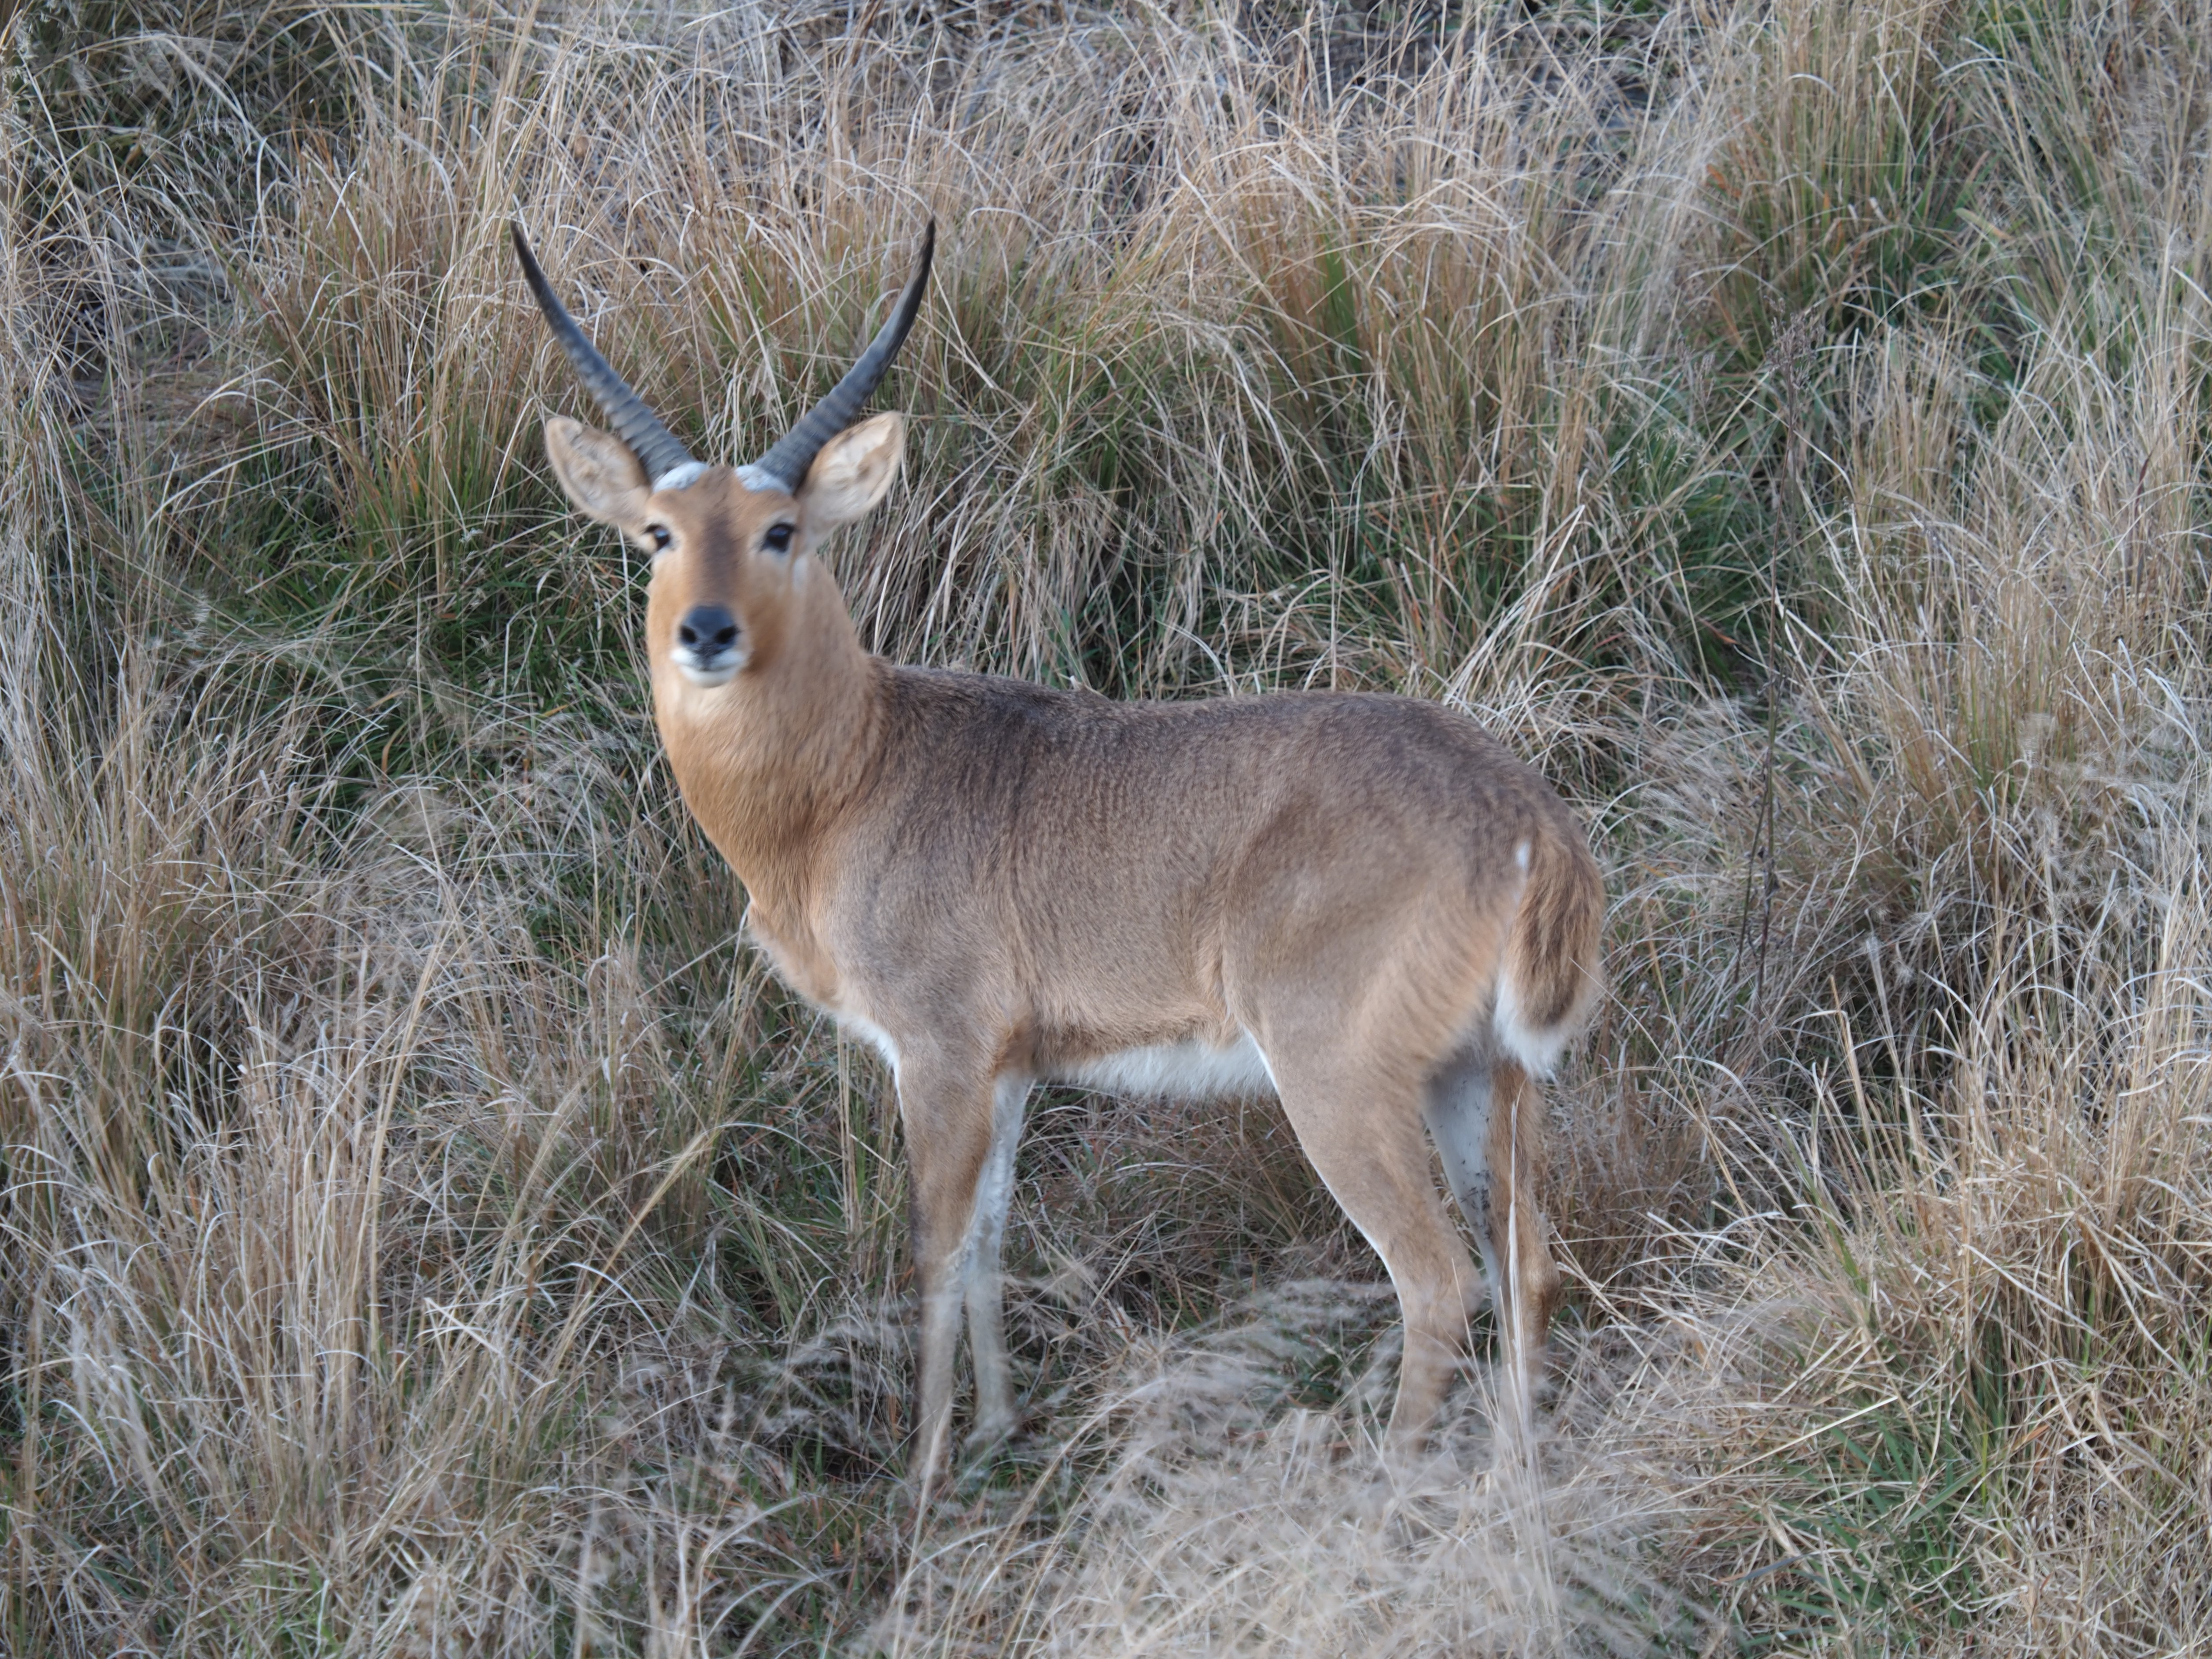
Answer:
[(428, 1230)]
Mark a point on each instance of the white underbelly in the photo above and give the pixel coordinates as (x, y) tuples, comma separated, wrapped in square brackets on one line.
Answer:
[(1190, 1070)]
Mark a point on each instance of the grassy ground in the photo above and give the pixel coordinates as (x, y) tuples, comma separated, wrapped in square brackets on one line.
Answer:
[(425, 1229)]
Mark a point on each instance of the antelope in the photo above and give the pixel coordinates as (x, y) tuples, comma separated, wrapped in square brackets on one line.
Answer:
[(1362, 904)]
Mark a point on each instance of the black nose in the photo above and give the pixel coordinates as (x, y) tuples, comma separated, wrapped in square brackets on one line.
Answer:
[(707, 631)]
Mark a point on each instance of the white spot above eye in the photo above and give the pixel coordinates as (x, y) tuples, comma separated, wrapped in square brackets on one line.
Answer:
[(681, 477)]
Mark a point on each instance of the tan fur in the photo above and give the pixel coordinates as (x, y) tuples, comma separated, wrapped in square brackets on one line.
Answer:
[(1004, 883)]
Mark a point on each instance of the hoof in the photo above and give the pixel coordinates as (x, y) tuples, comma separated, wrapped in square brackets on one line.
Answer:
[(988, 1437)]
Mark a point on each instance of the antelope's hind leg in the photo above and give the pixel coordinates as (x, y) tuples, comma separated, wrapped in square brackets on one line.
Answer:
[(1487, 1121), (1360, 1124)]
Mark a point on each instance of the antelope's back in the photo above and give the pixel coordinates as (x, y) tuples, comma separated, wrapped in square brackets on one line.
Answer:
[(1132, 860)]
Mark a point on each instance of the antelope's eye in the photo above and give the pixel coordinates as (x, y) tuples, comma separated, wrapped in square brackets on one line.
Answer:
[(778, 539), (659, 536)]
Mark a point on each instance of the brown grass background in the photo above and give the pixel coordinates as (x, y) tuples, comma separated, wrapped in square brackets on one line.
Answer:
[(426, 1229)]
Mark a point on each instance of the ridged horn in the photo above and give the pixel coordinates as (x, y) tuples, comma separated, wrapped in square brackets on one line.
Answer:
[(656, 447), (784, 467)]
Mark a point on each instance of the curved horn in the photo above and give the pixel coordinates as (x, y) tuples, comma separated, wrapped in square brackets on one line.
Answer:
[(784, 466), (656, 447)]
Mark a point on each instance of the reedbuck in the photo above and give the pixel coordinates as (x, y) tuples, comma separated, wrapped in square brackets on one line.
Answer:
[(1362, 904)]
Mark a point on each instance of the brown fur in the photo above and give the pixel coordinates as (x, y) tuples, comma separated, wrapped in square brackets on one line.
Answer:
[(1003, 882)]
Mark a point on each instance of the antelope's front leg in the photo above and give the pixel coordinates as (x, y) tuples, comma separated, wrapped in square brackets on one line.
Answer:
[(946, 1106)]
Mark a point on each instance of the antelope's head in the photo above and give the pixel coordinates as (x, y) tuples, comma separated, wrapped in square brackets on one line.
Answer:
[(728, 544)]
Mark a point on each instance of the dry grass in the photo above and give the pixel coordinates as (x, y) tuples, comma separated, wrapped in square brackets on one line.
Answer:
[(424, 1229)]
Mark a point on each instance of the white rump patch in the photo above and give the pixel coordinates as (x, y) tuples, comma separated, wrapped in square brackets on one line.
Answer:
[(1537, 1050), (1189, 1070), (1521, 857)]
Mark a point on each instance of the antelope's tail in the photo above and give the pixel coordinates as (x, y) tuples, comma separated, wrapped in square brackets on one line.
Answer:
[(1551, 977)]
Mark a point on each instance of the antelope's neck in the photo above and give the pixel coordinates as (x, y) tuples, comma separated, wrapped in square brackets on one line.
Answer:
[(770, 763)]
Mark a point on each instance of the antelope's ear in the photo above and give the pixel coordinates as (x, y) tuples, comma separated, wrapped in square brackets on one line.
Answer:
[(852, 473), (602, 477)]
